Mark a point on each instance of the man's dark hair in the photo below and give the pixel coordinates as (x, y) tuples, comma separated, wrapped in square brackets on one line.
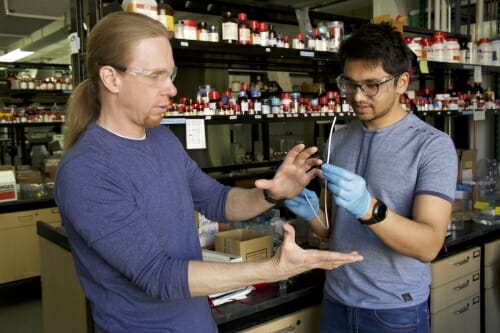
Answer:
[(379, 44)]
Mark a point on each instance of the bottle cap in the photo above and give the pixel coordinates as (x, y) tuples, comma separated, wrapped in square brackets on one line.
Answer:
[(242, 16)]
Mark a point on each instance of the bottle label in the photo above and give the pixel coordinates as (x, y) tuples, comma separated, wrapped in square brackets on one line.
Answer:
[(255, 39), (167, 21), (264, 38), (229, 31), (203, 35), (244, 106), (257, 105), (244, 36), (213, 36)]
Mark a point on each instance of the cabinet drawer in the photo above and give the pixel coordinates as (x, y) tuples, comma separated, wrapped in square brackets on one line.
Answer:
[(29, 217), (454, 291), (303, 321), (492, 253), (463, 317), (492, 276), (455, 266), (19, 247)]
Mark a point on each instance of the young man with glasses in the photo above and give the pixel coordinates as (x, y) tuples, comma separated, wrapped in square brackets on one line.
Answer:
[(127, 191), (389, 188)]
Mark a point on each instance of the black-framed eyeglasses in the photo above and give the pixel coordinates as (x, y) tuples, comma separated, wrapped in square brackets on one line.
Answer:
[(368, 88), (157, 76)]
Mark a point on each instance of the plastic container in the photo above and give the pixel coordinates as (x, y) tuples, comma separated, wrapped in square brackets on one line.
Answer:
[(452, 51), (179, 29), (495, 46), (438, 46), (298, 42), (335, 35), (415, 46), (415, 18), (190, 30), (484, 52), (426, 44)]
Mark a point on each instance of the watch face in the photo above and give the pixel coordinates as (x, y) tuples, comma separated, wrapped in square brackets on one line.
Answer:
[(380, 211)]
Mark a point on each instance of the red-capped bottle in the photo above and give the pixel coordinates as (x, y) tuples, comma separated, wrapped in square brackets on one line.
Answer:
[(243, 29), (264, 34), (254, 33), (213, 100)]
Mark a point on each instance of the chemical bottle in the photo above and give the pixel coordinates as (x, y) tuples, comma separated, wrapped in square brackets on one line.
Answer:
[(213, 100), (286, 42), (213, 34), (280, 41), (243, 29), (243, 100), (345, 107), (254, 33), (229, 29), (272, 36), (202, 31), (145, 7), (257, 102), (165, 15), (264, 34), (320, 43)]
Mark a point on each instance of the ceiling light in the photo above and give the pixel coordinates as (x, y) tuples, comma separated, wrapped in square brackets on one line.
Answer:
[(15, 55)]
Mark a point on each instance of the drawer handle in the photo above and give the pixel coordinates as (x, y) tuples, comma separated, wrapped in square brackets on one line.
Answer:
[(462, 262), (462, 310), (285, 330), (24, 218), (462, 286)]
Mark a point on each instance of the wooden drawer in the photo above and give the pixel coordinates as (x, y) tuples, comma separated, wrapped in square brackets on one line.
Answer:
[(455, 266), (492, 253), (303, 321), (463, 317), (455, 291)]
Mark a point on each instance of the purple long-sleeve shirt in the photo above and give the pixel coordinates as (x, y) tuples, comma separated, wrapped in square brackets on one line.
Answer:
[(128, 209)]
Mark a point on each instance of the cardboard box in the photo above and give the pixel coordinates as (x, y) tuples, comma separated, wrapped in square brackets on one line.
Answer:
[(29, 176), (7, 186), (5, 167), (467, 168), (248, 244), (49, 173)]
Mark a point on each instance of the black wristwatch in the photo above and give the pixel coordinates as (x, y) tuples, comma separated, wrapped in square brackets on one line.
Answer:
[(379, 213), (272, 200)]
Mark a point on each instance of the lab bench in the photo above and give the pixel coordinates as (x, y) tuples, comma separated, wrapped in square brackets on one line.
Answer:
[(267, 303)]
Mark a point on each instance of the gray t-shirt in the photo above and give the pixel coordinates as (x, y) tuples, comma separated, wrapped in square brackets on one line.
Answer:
[(398, 163)]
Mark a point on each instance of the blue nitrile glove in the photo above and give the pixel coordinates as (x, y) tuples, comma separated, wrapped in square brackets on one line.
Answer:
[(349, 189), (301, 207)]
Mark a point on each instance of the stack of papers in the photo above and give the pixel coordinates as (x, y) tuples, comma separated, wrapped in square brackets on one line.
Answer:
[(209, 255), (230, 296)]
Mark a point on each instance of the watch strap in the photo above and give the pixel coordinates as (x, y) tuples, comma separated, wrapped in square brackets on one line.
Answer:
[(272, 200), (379, 213)]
